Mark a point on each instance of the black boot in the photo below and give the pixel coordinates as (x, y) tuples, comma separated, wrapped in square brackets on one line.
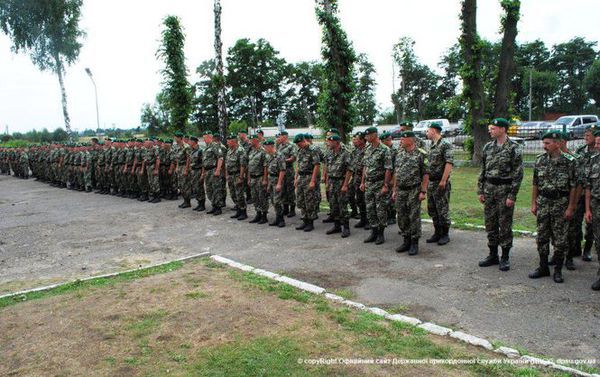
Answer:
[(596, 285), (491, 259), (542, 270), (263, 218), (380, 238), (405, 245), (292, 211), (200, 207), (436, 234), (373, 235), (354, 212), (587, 251), (414, 247), (504, 261), (243, 214), (286, 209), (328, 219), (211, 211), (444, 239), (276, 220), (346, 229), (301, 226), (309, 226), (362, 222), (569, 264), (256, 218), (280, 221), (182, 204), (337, 228), (557, 277), (186, 204), (552, 261), (367, 226), (217, 211)]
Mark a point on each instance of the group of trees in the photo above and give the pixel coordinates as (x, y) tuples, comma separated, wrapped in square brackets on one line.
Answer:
[(43, 136)]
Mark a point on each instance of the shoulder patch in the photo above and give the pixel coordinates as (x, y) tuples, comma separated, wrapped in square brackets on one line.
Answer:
[(568, 156), (423, 151)]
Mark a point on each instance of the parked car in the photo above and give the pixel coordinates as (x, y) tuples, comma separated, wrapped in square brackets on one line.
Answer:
[(574, 125), (532, 130), (448, 129)]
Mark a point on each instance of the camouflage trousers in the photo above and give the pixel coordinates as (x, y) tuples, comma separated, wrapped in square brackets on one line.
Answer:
[(142, 180), (87, 178), (258, 191), (356, 197), (552, 227), (338, 200), (214, 188), (153, 182), (287, 190), (307, 200), (236, 190), (438, 204), (184, 183), (277, 197), (498, 217), (595, 204), (376, 203), (164, 179), (575, 230), (100, 177), (408, 208), (198, 186)]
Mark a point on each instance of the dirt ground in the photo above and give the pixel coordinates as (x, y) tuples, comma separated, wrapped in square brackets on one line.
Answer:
[(172, 323), (49, 235)]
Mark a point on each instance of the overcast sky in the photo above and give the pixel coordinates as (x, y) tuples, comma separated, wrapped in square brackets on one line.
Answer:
[(122, 39)]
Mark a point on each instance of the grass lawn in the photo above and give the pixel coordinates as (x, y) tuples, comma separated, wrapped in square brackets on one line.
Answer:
[(199, 318)]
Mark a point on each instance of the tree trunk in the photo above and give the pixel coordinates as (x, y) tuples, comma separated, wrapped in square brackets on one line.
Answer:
[(471, 51), (221, 105), (507, 58), (63, 93)]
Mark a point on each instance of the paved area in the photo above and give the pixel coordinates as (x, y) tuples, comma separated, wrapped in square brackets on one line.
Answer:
[(49, 235)]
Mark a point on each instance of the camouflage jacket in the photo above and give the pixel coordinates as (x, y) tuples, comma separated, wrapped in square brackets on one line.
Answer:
[(554, 175), (356, 166), (440, 154), (338, 163), (376, 161), (501, 161), (306, 160), (256, 162), (212, 154), (592, 180), (275, 163), (287, 150), (235, 159), (410, 167)]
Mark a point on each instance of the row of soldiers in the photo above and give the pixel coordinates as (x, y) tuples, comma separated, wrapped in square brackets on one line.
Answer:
[(379, 182)]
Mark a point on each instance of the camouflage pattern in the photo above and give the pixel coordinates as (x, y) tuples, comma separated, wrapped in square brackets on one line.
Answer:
[(215, 190), (184, 174), (376, 161), (288, 193), (235, 160), (258, 188), (586, 152), (151, 157), (307, 200), (440, 154), (275, 164), (356, 197), (338, 164), (410, 168), (500, 179)]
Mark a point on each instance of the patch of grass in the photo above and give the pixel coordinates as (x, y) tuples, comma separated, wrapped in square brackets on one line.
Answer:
[(147, 324), (196, 295), (110, 360), (92, 283), (283, 291), (345, 293), (397, 309), (211, 263)]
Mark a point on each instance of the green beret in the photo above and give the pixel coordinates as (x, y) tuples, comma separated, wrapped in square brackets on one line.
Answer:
[(565, 136), (407, 134), (592, 127), (139, 140), (283, 133), (232, 137), (108, 139), (309, 136), (269, 142), (359, 134), (385, 135), (436, 125), (334, 138), (406, 123), (501, 122), (193, 138), (334, 130), (178, 134), (597, 133), (298, 138), (371, 130), (252, 137), (555, 135), (260, 132), (169, 141), (160, 140), (216, 134)]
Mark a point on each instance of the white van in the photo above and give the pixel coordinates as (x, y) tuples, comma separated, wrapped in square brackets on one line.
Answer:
[(447, 128)]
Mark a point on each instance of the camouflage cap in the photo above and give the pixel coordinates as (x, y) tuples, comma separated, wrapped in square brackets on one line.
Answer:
[(555, 135), (500, 122), (371, 130)]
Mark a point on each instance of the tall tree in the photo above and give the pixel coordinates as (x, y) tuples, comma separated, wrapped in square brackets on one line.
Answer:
[(336, 99), (470, 72), (176, 88), (49, 31), (506, 66), (305, 80), (366, 107), (220, 76), (592, 82), (206, 113)]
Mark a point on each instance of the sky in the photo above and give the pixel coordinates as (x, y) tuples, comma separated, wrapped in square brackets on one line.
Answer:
[(122, 38)]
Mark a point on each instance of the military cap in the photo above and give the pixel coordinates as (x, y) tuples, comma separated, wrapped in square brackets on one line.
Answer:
[(334, 138), (193, 138), (309, 136), (597, 133), (406, 123), (334, 130), (259, 131), (555, 135), (436, 125), (298, 138), (501, 122), (283, 133), (252, 137), (371, 130), (593, 127), (178, 134), (109, 139), (216, 134), (231, 137), (269, 142), (139, 140), (407, 134), (359, 134), (168, 141), (385, 135), (160, 140)]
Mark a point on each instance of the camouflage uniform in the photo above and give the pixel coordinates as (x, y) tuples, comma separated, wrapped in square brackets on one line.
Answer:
[(307, 200), (197, 181), (150, 156), (410, 168), (355, 194), (234, 161), (376, 161), (172, 182), (88, 166), (275, 164), (256, 166), (183, 179), (337, 165), (586, 154), (214, 185), (141, 172), (499, 180), (287, 150), (592, 183), (440, 154), (129, 178)]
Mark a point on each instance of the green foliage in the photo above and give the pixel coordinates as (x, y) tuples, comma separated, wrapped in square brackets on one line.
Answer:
[(592, 82), (175, 87), (305, 79), (364, 101), (238, 126), (16, 143), (468, 146), (205, 115), (336, 107)]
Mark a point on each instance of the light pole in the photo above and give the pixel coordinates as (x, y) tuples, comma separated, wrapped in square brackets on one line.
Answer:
[(89, 72)]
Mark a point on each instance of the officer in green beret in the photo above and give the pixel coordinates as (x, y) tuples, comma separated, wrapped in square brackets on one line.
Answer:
[(386, 139), (275, 164), (356, 197), (336, 184), (213, 171), (236, 164), (553, 203), (441, 161), (196, 181), (406, 125), (586, 151), (306, 182), (592, 199), (498, 185), (183, 168), (288, 150), (257, 180)]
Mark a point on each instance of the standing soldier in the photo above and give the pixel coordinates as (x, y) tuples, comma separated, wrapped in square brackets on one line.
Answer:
[(182, 161), (325, 152), (586, 151), (386, 139), (152, 165), (441, 160), (410, 189), (498, 186), (173, 153), (553, 203), (276, 169), (100, 168), (592, 200), (288, 150), (141, 176), (357, 196), (165, 169), (408, 126), (245, 144), (236, 164), (306, 182), (375, 184), (337, 176), (197, 184), (257, 180), (213, 171)]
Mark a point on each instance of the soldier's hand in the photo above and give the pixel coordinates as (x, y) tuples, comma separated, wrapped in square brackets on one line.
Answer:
[(362, 187), (384, 189), (481, 198), (311, 185), (239, 181), (534, 209), (344, 188), (264, 182), (155, 172), (569, 214), (394, 195), (510, 203), (278, 188), (442, 185), (217, 173), (295, 183), (422, 196), (588, 217), (185, 173)]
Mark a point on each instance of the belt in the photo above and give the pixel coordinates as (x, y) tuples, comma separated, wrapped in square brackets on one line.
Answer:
[(499, 181), (336, 178), (304, 174), (554, 194), (409, 187), (209, 167), (256, 176), (274, 175)]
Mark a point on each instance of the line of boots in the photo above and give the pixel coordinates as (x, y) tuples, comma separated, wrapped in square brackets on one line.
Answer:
[(492, 259), (440, 235), (376, 235), (259, 218), (307, 225), (279, 221), (340, 227), (409, 244), (544, 270), (289, 210)]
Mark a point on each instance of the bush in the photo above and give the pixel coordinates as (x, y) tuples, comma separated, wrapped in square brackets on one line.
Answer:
[(16, 143), (469, 146), (237, 126)]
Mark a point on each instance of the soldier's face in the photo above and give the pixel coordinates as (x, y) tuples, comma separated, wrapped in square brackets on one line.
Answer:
[(430, 133), (371, 137), (551, 145), (597, 143), (495, 131), (406, 142), (589, 138)]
